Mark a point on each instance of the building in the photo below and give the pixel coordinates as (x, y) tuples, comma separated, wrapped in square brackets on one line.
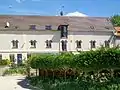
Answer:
[(21, 36)]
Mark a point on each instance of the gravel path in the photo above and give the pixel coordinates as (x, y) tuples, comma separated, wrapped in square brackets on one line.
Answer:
[(13, 83)]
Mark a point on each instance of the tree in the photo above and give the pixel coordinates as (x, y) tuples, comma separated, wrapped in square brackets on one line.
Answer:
[(115, 20)]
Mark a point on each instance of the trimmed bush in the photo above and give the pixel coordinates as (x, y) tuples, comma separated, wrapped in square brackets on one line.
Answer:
[(4, 62)]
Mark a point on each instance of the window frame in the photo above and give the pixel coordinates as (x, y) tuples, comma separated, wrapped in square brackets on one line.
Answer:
[(64, 45), (93, 44), (48, 43), (33, 43), (79, 43), (0, 56), (64, 30), (15, 44), (12, 60), (48, 27), (32, 27)]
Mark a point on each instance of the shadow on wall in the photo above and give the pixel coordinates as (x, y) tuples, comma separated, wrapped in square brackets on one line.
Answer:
[(56, 38)]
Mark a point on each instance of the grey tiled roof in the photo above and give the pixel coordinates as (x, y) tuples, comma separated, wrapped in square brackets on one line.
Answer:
[(75, 23)]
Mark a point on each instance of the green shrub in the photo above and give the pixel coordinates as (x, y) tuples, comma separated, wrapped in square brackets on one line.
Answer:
[(4, 62), (90, 70), (15, 70)]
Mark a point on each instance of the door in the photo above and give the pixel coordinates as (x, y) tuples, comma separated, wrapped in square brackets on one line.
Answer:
[(19, 58)]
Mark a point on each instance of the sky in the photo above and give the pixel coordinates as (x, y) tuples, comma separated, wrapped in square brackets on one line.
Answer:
[(102, 8)]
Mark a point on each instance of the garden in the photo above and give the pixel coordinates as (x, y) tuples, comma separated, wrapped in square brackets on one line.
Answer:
[(89, 70)]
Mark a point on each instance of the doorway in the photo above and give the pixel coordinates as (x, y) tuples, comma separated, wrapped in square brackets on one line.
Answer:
[(19, 58)]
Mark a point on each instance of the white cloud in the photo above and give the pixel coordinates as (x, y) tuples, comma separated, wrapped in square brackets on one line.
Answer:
[(20, 1), (76, 14)]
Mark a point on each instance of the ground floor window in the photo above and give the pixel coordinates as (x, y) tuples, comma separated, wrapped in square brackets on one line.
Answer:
[(0, 56), (28, 55), (12, 57)]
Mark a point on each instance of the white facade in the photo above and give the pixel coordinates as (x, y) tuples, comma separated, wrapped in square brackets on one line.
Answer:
[(24, 37), (24, 46)]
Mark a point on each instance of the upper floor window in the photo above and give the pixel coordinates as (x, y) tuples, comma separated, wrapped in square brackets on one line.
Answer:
[(33, 27), (33, 43), (93, 44), (64, 45), (79, 42), (14, 43), (48, 27), (64, 31), (48, 43), (107, 43)]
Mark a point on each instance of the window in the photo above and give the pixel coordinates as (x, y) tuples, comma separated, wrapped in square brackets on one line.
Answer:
[(7, 25), (33, 43), (12, 57), (33, 27), (48, 43), (64, 45), (64, 30), (92, 44), (107, 43), (106, 27), (28, 55), (48, 27), (14, 43), (92, 27), (78, 43), (0, 56)]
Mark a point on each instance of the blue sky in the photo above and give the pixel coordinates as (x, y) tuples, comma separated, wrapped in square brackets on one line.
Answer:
[(52, 7)]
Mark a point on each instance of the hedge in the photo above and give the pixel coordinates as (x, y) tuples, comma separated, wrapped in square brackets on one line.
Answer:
[(101, 58)]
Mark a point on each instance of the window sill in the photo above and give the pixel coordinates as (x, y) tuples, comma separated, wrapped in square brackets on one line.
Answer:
[(48, 47), (14, 47), (78, 47), (32, 47)]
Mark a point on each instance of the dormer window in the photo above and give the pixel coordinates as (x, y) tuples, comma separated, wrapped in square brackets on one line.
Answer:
[(48, 27), (14, 43), (7, 25), (92, 27), (107, 27), (16, 27), (33, 43), (33, 27), (64, 30)]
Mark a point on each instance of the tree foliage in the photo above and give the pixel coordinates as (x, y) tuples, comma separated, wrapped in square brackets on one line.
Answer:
[(115, 20)]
